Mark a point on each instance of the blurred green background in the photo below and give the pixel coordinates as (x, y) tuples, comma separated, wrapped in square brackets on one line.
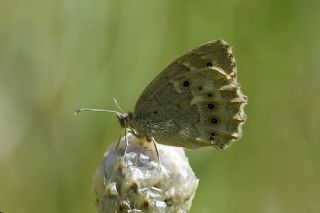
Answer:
[(56, 56)]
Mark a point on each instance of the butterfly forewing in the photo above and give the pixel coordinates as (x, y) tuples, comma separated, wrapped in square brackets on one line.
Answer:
[(196, 101)]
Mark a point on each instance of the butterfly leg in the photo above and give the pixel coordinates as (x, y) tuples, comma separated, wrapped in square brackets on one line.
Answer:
[(117, 146), (126, 138), (156, 148), (134, 133)]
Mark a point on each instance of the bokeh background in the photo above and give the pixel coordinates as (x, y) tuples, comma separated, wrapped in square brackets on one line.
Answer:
[(56, 56)]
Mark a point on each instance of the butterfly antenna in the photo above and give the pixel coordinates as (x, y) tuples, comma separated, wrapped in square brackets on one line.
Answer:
[(93, 110), (116, 102)]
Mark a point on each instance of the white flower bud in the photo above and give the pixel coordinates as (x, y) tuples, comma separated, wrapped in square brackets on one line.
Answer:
[(134, 182)]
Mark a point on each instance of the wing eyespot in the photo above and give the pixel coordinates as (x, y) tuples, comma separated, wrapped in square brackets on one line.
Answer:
[(186, 83), (209, 95), (211, 106), (214, 120), (209, 64)]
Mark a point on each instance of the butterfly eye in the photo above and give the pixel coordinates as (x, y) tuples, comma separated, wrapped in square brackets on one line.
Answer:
[(186, 83), (209, 64), (214, 121), (210, 106)]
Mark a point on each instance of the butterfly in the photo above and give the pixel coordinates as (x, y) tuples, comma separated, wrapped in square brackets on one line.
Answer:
[(194, 102)]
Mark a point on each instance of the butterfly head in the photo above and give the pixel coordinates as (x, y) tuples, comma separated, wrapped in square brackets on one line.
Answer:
[(124, 119)]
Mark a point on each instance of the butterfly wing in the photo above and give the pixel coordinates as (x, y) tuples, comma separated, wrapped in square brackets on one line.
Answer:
[(196, 101)]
